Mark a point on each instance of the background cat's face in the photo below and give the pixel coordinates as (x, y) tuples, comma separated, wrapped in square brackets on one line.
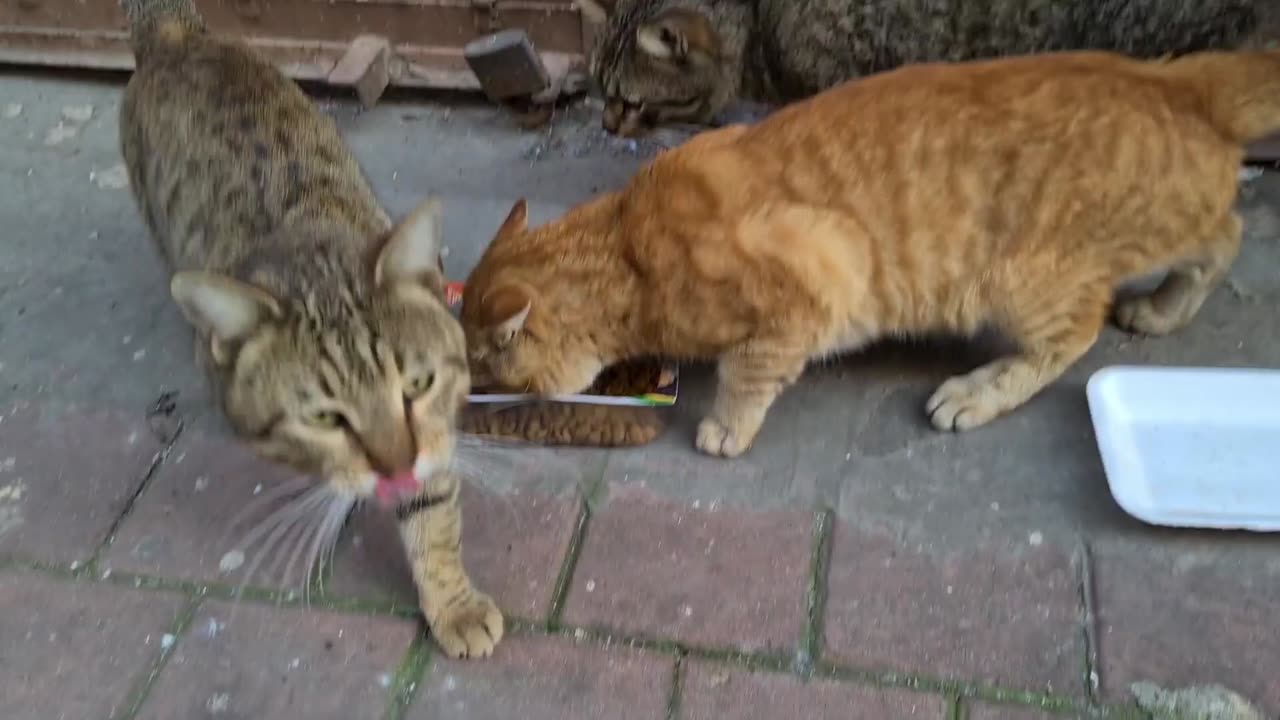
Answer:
[(656, 66), (356, 379)]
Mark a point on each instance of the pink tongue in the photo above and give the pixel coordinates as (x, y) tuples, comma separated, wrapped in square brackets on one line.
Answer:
[(397, 487)]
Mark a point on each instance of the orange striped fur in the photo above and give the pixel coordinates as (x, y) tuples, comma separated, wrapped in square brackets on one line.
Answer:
[(1014, 193)]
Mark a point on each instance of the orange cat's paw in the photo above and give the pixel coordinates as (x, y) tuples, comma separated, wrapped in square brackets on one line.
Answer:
[(716, 439), (1139, 315), (470, 628), (962, 403)]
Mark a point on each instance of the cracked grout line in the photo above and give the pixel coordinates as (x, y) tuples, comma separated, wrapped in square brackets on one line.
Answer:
[(677, 688), (1083, 561), (564, 580), (157, 461), (408, 678), (774, 663), (142, 690), (956, 688), (810, 651)]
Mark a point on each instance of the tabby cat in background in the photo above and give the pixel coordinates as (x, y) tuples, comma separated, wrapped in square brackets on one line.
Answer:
[(686, 61), (323, 325), (1013, 194)]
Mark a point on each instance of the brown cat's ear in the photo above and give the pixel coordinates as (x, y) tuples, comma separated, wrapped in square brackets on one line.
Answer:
[(228, 310), (413, 251), (595, 11), (679, 35), (505, 309), (517, 220)]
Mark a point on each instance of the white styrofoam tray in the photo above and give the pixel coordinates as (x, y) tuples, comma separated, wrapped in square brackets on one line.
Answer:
[(1191, 447)]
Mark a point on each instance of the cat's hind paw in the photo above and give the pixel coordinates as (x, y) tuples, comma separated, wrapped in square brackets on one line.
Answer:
[(1139, 315), (470, 627), (717, 440)]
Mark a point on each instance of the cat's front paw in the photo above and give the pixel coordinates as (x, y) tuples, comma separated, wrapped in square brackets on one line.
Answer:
[(469, 627), (717, 440), (963, 403)]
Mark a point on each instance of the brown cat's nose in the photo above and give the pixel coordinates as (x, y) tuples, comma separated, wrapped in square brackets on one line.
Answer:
[(392, 451)]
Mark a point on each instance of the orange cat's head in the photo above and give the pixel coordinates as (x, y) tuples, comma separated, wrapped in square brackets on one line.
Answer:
[(528, 323)]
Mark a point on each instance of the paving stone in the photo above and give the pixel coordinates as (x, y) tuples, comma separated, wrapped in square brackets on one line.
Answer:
[(712, 691), (761, 479), (710, 578), (73, 649), (66, 477), (257, 661), (985, 711), (548, 678), (514, 545), (1186, 614), (181, 527), (1000, 615)]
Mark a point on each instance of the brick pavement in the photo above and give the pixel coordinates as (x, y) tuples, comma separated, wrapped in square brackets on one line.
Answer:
[(636, 606), (856, 564)]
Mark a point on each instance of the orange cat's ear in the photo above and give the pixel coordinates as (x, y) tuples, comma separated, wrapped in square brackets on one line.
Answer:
[(505, 309), (679, 35), (413, 250), (517, 220)]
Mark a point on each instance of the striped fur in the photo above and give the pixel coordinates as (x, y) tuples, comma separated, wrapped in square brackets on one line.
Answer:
[(1011, 194), (323, 324), (686, 61)]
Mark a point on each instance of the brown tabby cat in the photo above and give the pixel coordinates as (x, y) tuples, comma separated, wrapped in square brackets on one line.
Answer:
[(674, 61), (322, 324), (1014, 193)]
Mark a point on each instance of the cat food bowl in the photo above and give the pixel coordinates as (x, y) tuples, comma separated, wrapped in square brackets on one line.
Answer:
[(621, 409), (1191, 447), (640, 383), (631, 384)]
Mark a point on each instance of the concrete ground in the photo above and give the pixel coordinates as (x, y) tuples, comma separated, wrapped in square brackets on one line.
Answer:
[(855, 564)]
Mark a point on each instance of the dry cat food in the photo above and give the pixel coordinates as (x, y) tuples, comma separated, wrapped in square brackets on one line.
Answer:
[(552, 423), (632, 378)]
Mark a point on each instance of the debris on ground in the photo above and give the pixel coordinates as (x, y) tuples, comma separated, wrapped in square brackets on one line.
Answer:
[(574, 131), (77, 114), (73, 117), (1200, 702), (217, 703), (115, 177), (164, 419), (231, 561), (60, 133)]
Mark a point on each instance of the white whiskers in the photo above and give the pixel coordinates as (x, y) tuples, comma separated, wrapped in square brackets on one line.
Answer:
[(304, 528), (500, 464)]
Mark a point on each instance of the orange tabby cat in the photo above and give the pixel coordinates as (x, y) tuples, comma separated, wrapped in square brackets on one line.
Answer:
[(1014, 193)]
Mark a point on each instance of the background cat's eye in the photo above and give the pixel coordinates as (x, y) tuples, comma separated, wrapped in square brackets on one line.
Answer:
[(325, 419)]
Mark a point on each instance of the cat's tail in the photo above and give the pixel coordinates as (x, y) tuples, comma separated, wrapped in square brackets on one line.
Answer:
[(1240, 90), (156, 22)]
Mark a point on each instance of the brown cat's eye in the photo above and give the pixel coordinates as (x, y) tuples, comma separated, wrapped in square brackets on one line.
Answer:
[(420, 385)]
